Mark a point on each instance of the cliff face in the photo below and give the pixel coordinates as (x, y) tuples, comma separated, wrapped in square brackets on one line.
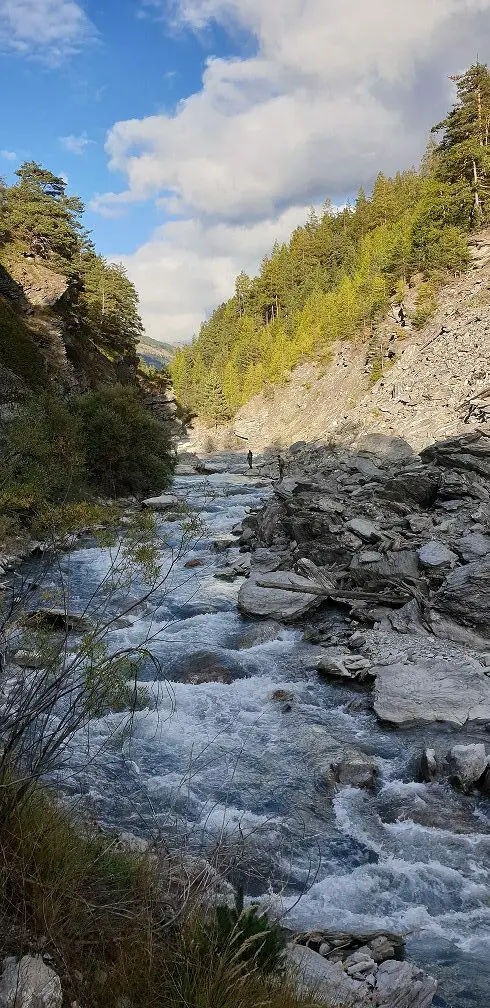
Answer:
[(435, 381), (43, 343)]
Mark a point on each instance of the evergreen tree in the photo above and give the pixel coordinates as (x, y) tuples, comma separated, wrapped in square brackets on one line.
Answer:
[(464, 151), (38, 213)]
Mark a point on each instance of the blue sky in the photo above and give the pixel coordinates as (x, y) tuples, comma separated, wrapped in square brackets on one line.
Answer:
[(138, 64), (198, 132)]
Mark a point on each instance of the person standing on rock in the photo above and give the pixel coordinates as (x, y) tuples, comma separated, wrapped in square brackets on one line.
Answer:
[(280, 463), (250, 458)]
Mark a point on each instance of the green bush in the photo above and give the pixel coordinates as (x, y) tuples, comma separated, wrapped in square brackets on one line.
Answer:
[(58, 453), (126, 449), (249, 931)]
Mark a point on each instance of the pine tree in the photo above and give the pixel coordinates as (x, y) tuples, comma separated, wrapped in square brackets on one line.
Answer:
[(464, 151), (38, 213)]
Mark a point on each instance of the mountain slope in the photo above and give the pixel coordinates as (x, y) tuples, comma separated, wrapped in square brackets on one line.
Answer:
[(436, 385)]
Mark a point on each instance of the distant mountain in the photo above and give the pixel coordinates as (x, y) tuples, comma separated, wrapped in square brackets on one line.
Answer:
[(154, 353)]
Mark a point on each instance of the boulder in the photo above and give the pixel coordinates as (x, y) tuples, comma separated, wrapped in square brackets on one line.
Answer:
[(184, 469), (467, 763), (30, 659), (364, 528), (453, 691), (403, 985), (56, 619), (162, 503), (435, 557), (473, 546), (392, 984), (286, 596), (355, 769), (417, 483), (428, 765), (29, 983), (327, 980), (465, 595), (344, 666)]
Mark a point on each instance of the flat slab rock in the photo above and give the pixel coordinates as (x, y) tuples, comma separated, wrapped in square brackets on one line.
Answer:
[(29, 983), (456, 692), (396, 984), (282, 599)]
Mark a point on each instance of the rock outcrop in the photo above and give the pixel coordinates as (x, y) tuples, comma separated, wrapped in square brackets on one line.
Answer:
[(401, 543)]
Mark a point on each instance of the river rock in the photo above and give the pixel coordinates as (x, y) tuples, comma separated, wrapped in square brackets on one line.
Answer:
[(396, 984), (355, 769), (277, 600), (428, 765), (30, 659), (403, 985), (467, 763), (452, 691), (162, 503), (29, 983), (56, 619), (435, 557), (343, 666)]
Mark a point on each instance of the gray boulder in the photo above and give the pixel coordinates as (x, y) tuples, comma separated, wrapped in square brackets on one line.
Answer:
[(473, 546), (467, 763), (29, 983), (456, 692), (392, 984), (162, 503), (403, 985), (285, 597), (465, 595), (436, 558), (428, 765), (364, 528)]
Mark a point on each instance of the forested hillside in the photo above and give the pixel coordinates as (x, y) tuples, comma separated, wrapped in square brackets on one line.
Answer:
[(339, 273), (74, 397)]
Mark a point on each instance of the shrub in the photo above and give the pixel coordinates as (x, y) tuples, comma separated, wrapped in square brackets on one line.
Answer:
[(126, 448)]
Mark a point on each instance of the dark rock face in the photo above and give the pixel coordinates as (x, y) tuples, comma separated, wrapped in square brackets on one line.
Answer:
[(465, 595)]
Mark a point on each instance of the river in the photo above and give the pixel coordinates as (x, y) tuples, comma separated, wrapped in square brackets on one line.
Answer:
[(223, 763)]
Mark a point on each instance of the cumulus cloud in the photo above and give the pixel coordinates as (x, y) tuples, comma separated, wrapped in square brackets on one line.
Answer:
[(334, 91), (47, 29), (76, 144), (9, 155), (189, 267)]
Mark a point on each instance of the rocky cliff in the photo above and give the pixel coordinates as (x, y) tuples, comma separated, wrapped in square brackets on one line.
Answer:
[(43, 342)]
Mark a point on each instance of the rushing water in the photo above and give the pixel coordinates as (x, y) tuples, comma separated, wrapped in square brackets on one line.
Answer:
[(223, 762)]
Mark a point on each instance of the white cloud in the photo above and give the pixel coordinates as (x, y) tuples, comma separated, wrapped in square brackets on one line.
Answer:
[(188, 268), (9, 155), (335, 91), (76, 144), (48, 29)]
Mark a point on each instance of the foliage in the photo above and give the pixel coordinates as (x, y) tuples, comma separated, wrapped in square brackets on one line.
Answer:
[(39, 219), (332, 281), (336, 276), (107, 919), (18, 351), (37, 211), (426, 304), (125, 447), (58, 453), (463, 153), (256, 938)]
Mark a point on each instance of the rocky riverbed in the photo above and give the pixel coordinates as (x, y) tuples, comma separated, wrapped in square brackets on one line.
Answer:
[(322, 728)]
